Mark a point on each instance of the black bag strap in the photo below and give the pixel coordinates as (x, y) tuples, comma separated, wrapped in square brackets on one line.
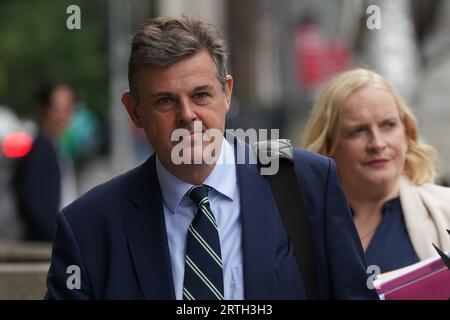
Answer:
[(291, 204)]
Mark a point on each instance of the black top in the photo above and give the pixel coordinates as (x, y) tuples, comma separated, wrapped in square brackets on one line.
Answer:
[(38, 189), (390, 247)]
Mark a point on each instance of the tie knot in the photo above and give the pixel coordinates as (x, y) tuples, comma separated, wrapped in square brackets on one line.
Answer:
[(198, 194)]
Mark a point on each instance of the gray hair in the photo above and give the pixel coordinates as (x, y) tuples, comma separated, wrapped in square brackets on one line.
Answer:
[(163, 41)]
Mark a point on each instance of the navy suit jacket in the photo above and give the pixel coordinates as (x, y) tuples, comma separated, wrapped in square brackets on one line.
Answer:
[(116, 235)]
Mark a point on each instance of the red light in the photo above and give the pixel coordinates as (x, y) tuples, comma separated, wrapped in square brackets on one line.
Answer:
[(17, 144)]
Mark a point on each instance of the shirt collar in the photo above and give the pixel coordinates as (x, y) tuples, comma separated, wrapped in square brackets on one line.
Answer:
[(222, 179)]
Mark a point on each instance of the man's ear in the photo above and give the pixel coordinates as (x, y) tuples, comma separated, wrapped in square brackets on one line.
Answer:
[(228, 91), (132, 108)]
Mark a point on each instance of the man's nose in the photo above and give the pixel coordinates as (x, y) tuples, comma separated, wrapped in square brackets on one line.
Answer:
[(186, 113)]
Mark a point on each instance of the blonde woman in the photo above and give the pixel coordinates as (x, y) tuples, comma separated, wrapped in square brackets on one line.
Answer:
[(386, 171)]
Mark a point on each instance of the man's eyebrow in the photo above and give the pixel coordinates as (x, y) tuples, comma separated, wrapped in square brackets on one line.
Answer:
[(168, 93), (201, 88), (161, 94)]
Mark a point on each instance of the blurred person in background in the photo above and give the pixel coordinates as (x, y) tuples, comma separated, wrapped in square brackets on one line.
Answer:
[(386, 171), (45, 179)]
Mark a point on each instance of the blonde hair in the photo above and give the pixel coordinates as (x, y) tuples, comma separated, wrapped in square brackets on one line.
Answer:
[(322, 134)]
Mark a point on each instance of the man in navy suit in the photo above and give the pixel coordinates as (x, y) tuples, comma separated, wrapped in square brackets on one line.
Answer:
[(126, 239)]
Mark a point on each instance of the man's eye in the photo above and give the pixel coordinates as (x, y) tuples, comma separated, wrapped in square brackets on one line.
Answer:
[(164, 101), (201, 96)]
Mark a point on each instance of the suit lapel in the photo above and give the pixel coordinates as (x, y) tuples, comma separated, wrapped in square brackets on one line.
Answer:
[(417, 219), (146, 233), (258, 214)]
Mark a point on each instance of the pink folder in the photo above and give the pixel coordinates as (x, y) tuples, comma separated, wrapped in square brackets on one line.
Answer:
[(425, 280)]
